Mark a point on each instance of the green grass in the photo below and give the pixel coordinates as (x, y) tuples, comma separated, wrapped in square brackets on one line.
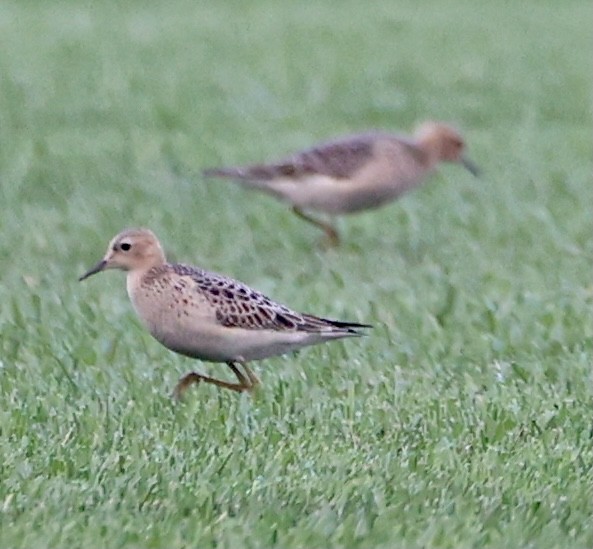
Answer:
[(463, 420)]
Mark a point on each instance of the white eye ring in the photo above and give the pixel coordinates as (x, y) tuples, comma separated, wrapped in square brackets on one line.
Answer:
[(125, 246)]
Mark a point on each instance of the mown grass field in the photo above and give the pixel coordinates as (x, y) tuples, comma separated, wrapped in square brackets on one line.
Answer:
[(463, 420)]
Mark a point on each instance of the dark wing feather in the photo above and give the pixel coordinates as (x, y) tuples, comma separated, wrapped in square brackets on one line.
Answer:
[(339, 159), (239, 306)]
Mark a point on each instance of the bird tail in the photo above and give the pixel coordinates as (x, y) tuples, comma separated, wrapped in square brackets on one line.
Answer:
[(350, 328), (257, 175), (233, 172), (353, 328)]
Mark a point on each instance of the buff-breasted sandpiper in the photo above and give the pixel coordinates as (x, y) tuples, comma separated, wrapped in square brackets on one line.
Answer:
[(209, 316), (353, 173)]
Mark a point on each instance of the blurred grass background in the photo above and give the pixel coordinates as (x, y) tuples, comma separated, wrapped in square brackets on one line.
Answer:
[(463, 420)]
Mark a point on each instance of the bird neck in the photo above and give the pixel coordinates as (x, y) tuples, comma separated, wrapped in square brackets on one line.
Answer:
[(431, 151), (136, 278)]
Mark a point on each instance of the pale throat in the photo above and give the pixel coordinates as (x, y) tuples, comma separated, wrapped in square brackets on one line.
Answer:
[(134, 279)]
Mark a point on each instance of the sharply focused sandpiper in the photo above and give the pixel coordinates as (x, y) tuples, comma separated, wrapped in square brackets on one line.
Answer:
[(209, 316), (353, 173)]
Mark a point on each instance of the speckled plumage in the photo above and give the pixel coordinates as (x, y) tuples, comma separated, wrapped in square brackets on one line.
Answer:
[(239, 306), (353, 173), (209, 316)]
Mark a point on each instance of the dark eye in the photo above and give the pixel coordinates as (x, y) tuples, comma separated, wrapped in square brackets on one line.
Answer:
[(125, 246)]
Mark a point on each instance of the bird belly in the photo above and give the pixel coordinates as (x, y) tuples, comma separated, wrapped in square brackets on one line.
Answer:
[(337, 196), (316, 192), (217, 343), (366, 198)]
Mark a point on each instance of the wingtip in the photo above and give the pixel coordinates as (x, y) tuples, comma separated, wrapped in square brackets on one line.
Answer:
[(354, 328), (360, 330)]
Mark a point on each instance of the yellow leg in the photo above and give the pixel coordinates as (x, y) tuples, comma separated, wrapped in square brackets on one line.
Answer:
[(245, 383), (253, 379), (333, 238)]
